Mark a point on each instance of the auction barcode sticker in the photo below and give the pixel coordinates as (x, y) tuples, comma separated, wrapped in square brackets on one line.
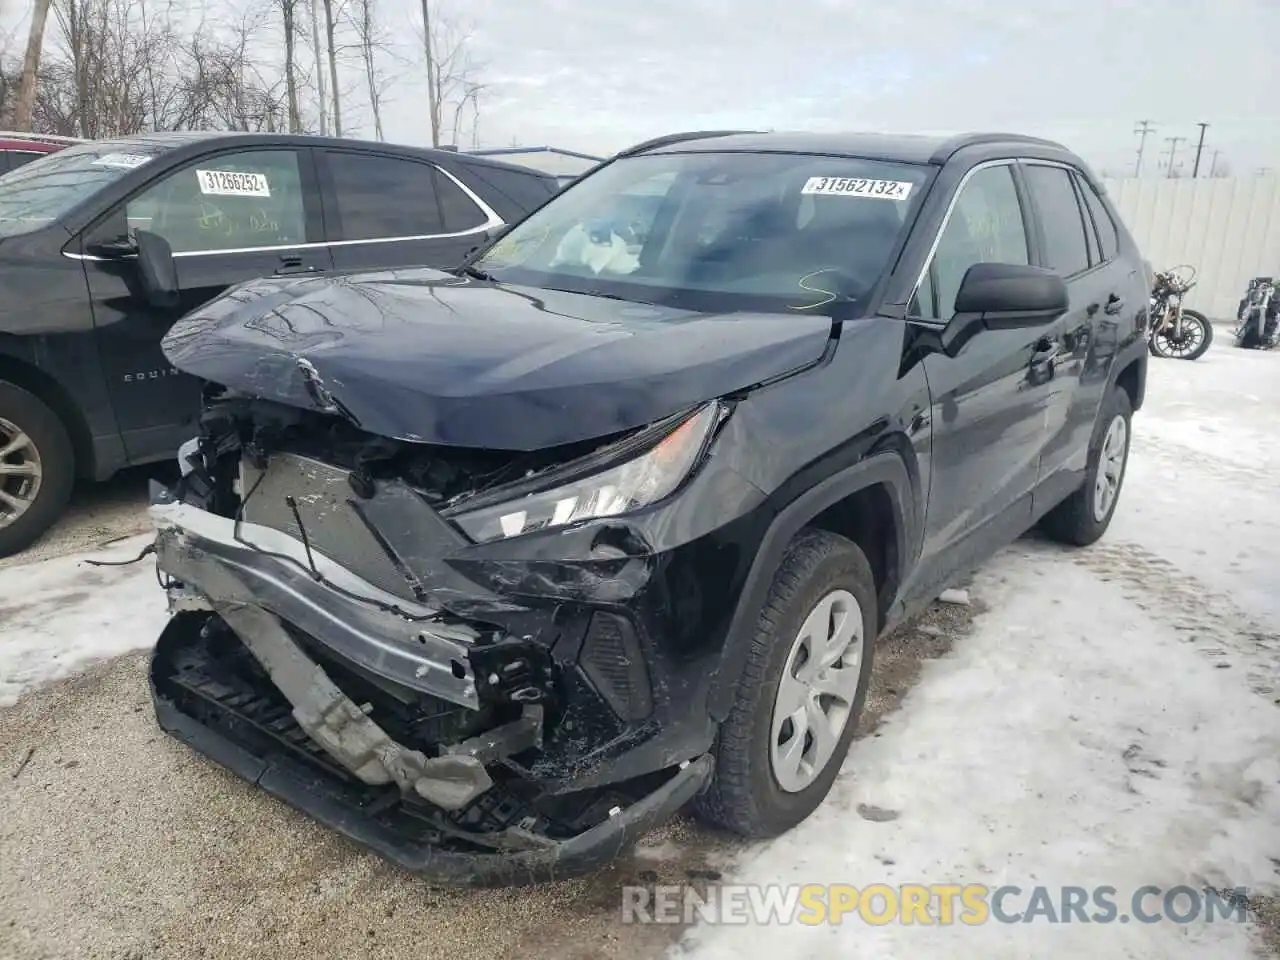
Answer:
[(227, 183), (857, 187)]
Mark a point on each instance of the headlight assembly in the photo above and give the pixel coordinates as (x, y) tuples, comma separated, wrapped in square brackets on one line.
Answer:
[(645, 478)]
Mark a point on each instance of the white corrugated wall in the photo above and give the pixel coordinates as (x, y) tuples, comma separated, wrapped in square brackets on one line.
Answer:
[(1227, 228)]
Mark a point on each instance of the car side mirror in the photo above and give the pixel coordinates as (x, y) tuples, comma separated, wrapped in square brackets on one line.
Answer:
[(1003, 296), (157, 268)]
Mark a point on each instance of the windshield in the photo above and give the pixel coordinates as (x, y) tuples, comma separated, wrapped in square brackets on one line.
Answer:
[(44, 190), (717, 231)]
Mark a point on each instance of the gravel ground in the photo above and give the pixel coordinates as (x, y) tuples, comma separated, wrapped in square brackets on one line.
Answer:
[(118, 842)]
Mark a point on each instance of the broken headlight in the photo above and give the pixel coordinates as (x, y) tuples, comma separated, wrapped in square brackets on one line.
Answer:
[(641, 479)]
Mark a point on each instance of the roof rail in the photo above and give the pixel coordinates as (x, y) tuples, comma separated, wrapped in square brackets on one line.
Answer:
[(680, 138), (960, 141), (43, 137), (514, 151)]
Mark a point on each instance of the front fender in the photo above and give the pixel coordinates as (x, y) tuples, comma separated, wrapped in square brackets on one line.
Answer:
[(886, 469)]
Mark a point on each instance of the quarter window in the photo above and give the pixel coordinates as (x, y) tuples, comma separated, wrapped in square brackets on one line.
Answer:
[(1107, 234), (1065, 247), (234, 201), (986, 226)]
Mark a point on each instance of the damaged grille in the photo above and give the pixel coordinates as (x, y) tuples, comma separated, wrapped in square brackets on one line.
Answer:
[(322, 496)]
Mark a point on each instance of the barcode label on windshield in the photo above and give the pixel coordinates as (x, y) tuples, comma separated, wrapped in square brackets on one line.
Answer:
[(857, 187), (227, 183)]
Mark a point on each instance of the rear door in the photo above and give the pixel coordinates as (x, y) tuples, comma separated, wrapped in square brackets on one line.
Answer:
[(384, 210), (1097, 282), (229, 217)]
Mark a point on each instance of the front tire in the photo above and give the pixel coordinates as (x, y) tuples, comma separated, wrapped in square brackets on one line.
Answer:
[(1197, 336), (1083, 517), (801, 691), (37, 468)]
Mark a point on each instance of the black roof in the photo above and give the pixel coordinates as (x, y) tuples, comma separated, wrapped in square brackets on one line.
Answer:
[(905, 147), (175, 139)]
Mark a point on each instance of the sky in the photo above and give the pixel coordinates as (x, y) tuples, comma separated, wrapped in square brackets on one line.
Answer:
[(598, 75)]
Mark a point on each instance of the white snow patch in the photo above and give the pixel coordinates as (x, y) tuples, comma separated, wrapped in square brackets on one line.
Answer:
[(1068, 742), (58, 615)]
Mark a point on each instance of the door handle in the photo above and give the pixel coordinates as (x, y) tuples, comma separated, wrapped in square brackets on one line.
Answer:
[(1114, 304)]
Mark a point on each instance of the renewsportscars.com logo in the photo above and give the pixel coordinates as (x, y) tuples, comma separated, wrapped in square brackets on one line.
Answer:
[(942, 904)]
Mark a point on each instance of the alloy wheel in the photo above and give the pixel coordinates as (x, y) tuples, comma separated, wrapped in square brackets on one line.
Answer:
[(20, 472)]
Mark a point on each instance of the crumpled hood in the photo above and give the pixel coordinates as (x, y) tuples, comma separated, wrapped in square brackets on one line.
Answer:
[(425, 356)]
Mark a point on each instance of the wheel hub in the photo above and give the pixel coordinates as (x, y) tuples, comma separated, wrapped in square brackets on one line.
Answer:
[(1110, 469), (20, 472), (816, 692)]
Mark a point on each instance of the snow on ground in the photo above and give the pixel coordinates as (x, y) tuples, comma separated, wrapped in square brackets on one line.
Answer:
[(1112, 720), (58, 615)]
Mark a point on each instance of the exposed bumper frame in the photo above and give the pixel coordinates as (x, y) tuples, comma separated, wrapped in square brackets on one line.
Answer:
[(393, 638)]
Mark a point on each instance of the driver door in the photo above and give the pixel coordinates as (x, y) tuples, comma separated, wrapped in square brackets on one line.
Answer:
[(991, 404), (229, 217)]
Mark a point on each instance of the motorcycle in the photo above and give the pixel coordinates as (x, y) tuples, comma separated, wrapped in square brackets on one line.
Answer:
[(1258, 328), (1174, 331)]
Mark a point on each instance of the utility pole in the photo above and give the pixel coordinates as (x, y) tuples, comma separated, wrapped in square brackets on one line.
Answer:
[(1143, 128), (1195, 171), (1173, 151), (1213, 164)]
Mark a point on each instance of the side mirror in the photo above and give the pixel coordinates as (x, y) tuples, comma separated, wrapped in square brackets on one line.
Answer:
[(1003, 296), (157, 268)]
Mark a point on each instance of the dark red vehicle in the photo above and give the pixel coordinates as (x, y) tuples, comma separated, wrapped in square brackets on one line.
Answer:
[(17, 149)]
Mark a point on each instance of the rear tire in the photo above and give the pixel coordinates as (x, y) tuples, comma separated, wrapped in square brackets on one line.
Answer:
[(757, 790), (1083, 517), (37, 468)]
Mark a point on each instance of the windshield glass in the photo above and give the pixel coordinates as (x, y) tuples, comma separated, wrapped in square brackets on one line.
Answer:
[(44, 190), (717, 231)]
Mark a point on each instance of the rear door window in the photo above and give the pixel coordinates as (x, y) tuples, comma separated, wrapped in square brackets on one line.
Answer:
[(1065, 248), (381, 198), (19, 158), (233, 201)]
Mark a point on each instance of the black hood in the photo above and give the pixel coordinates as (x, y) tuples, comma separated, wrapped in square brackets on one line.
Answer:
[(425, 356)]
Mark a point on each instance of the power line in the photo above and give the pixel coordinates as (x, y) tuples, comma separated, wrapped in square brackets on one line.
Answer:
[(1173, 151), (1143, 128), (1195, 170)]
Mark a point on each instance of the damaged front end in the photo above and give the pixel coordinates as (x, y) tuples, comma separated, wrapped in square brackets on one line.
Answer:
[(348, 633)]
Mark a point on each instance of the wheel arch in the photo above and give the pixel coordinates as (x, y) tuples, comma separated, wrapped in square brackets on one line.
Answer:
[(1131, 374), (873, 503), (50, 392)]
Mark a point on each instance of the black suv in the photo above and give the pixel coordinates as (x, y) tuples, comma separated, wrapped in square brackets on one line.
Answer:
[(495, 569), (84, 388)]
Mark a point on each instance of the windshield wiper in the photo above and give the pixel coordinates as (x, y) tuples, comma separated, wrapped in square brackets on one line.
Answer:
[(475, 273)]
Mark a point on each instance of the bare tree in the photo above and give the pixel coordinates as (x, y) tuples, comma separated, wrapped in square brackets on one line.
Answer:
[(22, 109), (331, 46), (374, 45), (318, 50), (289, 26), (451, 73)]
